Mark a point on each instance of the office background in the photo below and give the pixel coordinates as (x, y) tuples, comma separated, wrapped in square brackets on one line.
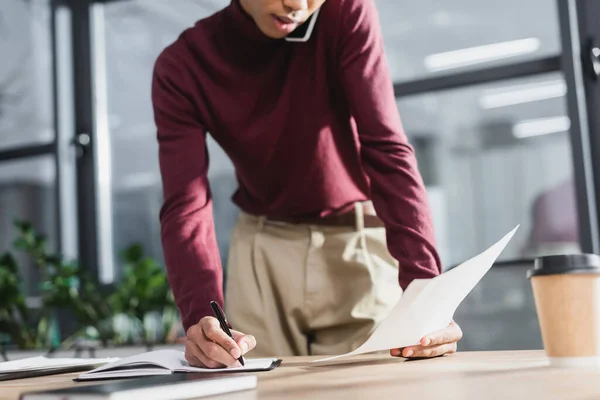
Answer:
[(492, 95)]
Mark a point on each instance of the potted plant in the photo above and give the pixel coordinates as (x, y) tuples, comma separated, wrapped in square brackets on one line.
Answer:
[(139, 309), (14, 315), (64, 286), (143, 298)]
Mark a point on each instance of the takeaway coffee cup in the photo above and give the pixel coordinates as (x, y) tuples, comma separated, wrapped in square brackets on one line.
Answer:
[(566, 290)]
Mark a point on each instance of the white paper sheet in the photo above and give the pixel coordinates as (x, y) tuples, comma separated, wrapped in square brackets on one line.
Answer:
[(41, 363), (428, 305)]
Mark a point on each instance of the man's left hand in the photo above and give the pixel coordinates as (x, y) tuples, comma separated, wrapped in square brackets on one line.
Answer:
[(433, 345)]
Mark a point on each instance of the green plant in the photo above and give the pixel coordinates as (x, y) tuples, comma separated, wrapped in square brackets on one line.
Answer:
[(64, 286), (141, 302), (14, 316), (143, 291)]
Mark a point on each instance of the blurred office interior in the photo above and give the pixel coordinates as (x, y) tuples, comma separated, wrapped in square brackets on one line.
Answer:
[(490, 93)]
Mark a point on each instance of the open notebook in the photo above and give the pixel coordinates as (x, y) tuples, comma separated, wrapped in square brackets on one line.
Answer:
[(165, 362)]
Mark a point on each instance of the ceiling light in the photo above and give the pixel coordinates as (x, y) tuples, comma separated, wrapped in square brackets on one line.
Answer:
[(542, 126), (481, 54), (519, 94)]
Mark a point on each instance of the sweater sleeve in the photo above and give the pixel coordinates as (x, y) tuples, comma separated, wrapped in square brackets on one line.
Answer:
[(187, 226), (397, 189)]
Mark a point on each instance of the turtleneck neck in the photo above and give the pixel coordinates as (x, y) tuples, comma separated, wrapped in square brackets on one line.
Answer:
[(240, 25)]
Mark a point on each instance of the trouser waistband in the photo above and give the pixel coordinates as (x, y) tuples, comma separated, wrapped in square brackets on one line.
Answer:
[(360, 217)]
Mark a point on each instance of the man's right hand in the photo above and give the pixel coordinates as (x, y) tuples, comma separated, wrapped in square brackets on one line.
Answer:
[(207, 345)]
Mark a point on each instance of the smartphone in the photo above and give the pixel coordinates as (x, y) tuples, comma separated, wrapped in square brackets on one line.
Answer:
[(303, 32)]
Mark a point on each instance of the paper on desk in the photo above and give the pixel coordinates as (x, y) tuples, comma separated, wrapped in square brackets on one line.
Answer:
[(428, 305), (42, 363)]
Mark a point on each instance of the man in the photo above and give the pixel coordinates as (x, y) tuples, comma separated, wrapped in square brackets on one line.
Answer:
[(326, 177)]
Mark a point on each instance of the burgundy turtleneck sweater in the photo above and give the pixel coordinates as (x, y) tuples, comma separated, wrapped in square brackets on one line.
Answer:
[(311, 128)]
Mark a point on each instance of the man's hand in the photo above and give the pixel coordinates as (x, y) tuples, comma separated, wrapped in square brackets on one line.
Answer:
[(433, 345), (207, 345)]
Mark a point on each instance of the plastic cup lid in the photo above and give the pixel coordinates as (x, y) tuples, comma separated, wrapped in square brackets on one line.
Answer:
[(565, 264)]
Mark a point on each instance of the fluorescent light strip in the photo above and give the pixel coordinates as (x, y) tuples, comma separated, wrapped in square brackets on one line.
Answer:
[(67, 165), (510, 96), (481, 54), (542, 126), (102, 147)]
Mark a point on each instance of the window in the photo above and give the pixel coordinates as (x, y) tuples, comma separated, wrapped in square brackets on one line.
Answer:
[(431, 37), (467, 131), (136, 33), (494, 156), (28, 193), (26, 113)]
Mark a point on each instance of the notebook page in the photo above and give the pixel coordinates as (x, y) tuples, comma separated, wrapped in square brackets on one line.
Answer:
[(126, 373), (159, 359)]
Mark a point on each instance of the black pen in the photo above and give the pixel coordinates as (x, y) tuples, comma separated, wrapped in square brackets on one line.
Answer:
[(220, 315)]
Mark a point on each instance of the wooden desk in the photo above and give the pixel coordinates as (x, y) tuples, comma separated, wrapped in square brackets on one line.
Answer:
[(484, 375)]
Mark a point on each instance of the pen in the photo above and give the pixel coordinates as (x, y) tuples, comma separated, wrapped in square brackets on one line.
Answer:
[(220, 315)]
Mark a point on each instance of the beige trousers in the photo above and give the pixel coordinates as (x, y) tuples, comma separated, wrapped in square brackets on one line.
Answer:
[(308, 290)]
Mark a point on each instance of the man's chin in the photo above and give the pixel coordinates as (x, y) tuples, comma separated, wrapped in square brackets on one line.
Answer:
[(273, 34)]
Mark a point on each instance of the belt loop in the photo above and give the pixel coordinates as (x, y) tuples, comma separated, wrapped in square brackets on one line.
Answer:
[(359, 216)]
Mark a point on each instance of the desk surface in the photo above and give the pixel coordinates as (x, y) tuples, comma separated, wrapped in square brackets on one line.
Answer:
[(477, 375)]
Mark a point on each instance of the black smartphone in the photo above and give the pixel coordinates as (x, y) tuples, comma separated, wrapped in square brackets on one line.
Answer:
[(304, 31)]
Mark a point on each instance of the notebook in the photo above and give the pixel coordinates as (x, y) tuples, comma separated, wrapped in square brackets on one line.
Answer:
[(171, 387), (42, 365), (166, 362)]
